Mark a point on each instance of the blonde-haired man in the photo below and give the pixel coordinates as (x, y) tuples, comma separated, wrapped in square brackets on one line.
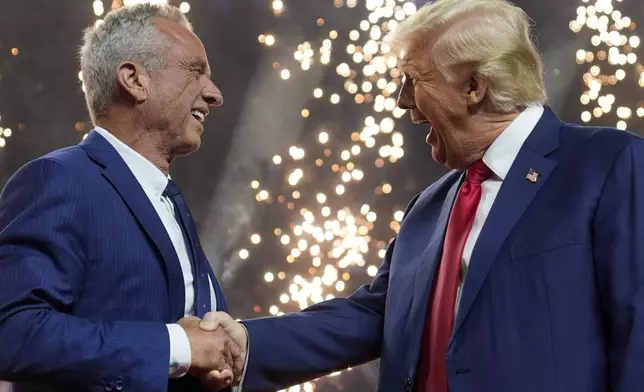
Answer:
[(522, 270)]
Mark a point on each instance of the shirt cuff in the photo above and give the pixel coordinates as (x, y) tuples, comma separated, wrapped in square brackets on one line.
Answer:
[(240, 386), (180, 353)]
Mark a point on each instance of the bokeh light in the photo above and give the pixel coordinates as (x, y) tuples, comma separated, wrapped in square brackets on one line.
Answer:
[(327, 240), (611, 60)]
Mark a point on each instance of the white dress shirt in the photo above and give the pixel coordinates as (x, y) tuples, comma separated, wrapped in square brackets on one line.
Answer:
[(499, 157), (154, 182)]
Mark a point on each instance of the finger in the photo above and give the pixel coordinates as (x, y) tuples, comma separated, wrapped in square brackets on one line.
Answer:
[(216, 380), (234, 350), (238, 369), (233, 356), (223, 319), (227, 375), (210, 321), (229, 359), (214, 374), (190, 320)]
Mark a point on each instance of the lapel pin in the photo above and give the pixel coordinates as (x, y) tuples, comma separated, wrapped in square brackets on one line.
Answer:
[(532, 176)]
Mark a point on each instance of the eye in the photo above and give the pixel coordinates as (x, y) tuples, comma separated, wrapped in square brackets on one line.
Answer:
[(410, 80)]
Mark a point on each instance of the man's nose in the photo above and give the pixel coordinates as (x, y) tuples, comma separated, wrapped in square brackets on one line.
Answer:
[(406, 98), (212, 95)]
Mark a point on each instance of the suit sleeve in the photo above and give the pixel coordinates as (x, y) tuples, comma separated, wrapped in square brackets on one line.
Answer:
[(44, 241), (326, 337), (618, 247)]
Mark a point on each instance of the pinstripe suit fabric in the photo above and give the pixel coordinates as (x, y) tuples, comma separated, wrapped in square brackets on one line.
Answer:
[(89, 277)]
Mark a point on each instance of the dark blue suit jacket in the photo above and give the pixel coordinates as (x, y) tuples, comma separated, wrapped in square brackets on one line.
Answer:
[(88, 277), (554, 296)]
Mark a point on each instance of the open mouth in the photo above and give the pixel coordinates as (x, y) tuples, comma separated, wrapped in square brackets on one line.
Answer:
[(199, 114)]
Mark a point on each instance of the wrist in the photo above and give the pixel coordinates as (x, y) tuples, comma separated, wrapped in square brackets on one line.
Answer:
[(180, 351)]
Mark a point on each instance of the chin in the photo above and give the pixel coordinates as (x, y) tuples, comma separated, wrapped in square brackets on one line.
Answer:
[(193, 135), (438, 155), (455, 164), (189, 144), (193, 145)]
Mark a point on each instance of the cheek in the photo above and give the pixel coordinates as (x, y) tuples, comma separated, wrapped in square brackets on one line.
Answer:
[(181, 98), (432, 103), (425, 100), (187, 92)]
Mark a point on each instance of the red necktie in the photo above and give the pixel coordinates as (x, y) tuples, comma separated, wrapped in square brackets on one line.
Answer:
[(432, 371)]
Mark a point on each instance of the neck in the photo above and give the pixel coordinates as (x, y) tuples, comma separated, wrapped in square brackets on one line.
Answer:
[(483, 130), (491, 126), (138, 139)]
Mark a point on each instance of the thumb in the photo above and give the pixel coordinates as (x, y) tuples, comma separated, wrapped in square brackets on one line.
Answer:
[(188, 321), (212, 320)]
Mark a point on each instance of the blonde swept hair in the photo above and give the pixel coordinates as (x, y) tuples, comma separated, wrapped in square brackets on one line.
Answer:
[(492, 36)]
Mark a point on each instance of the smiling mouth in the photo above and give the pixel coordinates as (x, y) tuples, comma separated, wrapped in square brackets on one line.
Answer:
[(199, 115)]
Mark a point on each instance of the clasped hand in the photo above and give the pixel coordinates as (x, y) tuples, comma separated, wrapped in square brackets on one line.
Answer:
[(218, 345)]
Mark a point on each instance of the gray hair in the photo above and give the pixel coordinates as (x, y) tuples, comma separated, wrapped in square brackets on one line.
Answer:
[(491, 35), (126, 34)]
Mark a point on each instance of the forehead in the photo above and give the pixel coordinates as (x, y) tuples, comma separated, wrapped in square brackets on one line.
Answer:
[(417, 58), (180, 36), (418, 50), (420, 47)]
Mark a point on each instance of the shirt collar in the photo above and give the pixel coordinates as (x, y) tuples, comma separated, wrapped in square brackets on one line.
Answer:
[(500, 156), (151, 179)]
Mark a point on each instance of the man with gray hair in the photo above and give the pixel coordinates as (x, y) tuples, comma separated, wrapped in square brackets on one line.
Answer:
[(100, 261), (521, 270)]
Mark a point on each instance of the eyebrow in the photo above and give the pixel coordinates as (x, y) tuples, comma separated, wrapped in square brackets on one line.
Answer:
[(403, 66)]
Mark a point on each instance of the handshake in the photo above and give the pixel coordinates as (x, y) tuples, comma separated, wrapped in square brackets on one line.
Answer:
[(218, 348)]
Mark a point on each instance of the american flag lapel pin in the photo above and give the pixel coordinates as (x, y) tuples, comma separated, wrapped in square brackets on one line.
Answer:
[(532, 176)]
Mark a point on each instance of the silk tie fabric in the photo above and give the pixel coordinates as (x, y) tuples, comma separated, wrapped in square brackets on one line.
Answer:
[(199, 264), (439, 323)]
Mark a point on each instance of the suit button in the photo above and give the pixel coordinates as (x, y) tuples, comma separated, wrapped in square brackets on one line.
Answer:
[(109, 387), (119, 385), (408, 385)]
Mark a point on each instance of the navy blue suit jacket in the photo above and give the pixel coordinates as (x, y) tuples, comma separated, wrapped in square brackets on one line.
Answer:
[(88, 277), (554, 296)]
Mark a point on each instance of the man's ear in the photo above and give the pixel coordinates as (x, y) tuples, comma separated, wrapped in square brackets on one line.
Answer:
[(134, 81), (475, 89)]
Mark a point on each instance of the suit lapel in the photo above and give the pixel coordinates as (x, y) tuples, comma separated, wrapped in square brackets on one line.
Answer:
[(513, 199), (219, 294), (120, 176)]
